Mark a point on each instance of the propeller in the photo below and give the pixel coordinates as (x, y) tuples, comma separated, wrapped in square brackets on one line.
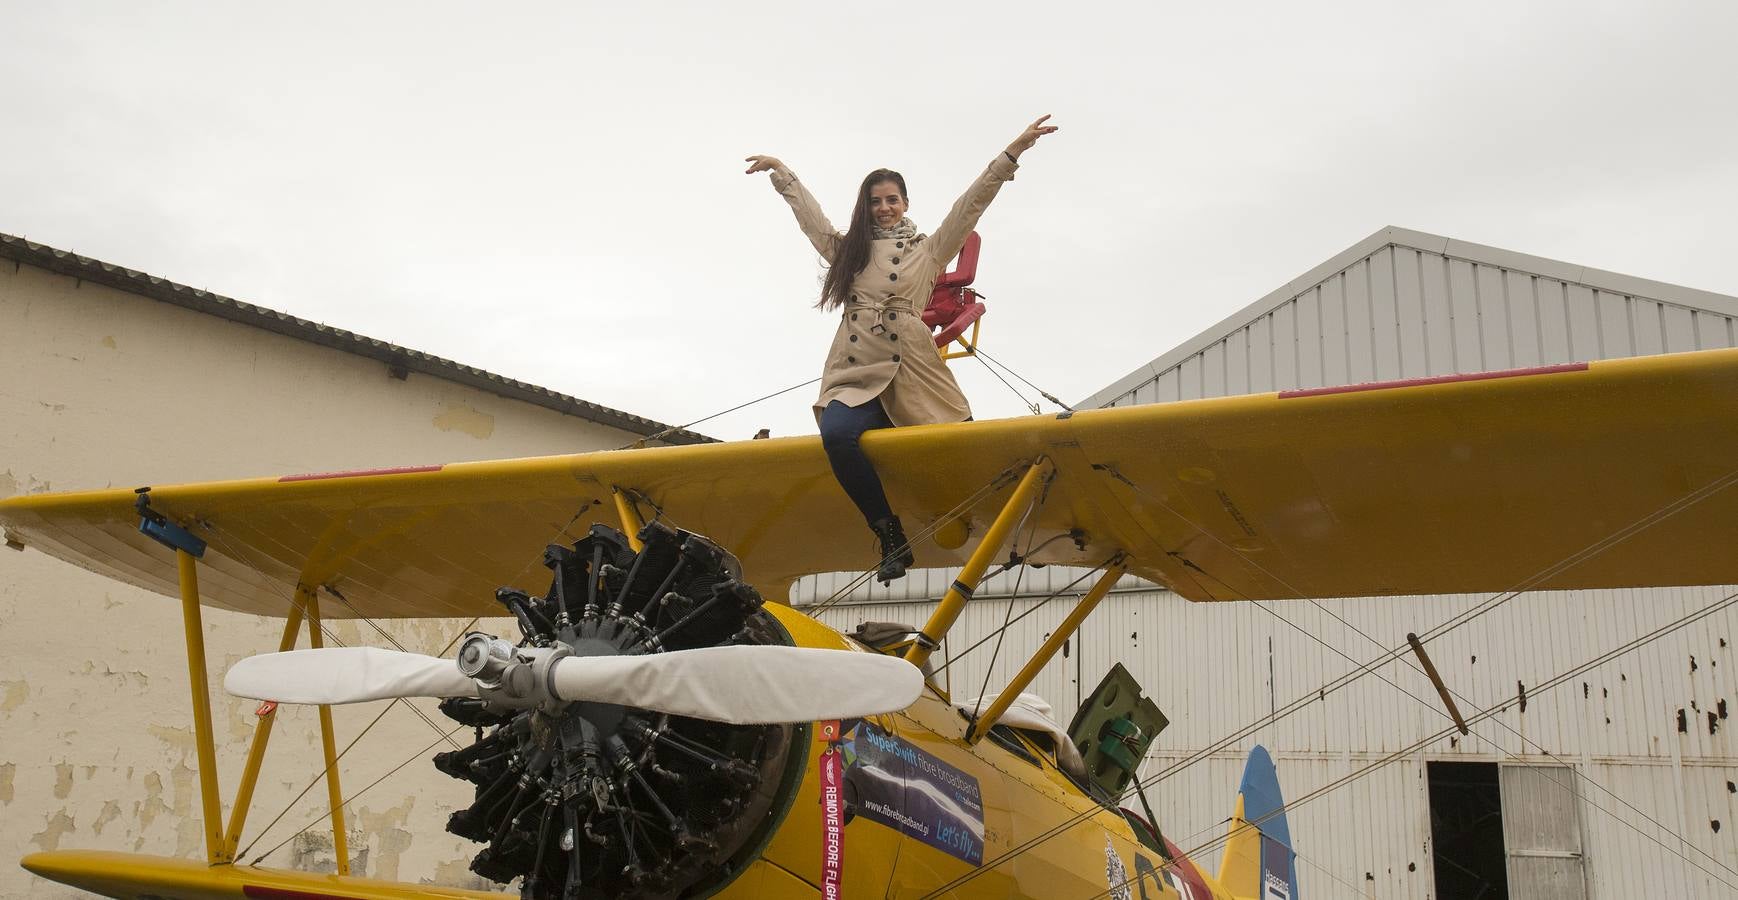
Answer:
[(740, 685), (332, 675)]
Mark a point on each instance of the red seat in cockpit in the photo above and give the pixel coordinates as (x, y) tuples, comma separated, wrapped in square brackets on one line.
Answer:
[(954, 306)]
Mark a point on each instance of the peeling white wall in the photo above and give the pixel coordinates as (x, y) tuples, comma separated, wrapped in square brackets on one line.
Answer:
[(98, 389)]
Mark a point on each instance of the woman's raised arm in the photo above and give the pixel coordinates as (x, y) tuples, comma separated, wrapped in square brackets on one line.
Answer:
[(950, 236), (810, 218)]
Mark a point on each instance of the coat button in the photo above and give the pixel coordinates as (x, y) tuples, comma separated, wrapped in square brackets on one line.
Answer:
[(899, 244), (853, 339), (892, 315), (892, 336), (896, 260), (896, 357), (853, 315), (850, 359), (892, 276)]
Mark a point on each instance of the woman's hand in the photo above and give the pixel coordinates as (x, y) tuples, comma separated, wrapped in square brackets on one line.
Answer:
[(768, 163), (1030, 136)]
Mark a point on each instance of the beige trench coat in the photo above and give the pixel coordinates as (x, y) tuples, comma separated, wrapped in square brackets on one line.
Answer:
[(882, 348)]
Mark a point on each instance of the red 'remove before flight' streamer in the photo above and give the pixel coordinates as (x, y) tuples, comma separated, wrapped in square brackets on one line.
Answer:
[(832, 815)]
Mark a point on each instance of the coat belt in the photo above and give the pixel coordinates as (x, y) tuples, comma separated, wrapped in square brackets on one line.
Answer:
[(900, 305)]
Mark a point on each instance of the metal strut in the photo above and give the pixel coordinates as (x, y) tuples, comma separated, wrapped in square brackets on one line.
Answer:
[(211, 807), (310, 601), (256, 752), (631, 521), (1077, 615), (954, 601)]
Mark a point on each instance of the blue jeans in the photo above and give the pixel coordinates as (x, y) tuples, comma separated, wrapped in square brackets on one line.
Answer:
[(841, 426)]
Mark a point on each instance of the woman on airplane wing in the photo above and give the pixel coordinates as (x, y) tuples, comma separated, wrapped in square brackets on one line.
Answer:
[(883, 369)]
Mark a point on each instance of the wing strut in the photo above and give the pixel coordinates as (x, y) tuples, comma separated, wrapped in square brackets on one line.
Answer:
[(221, 842), (194, 629), (334, 795), (1077, 615), (256, 751), (954, 601), (630, 515), (189, 549)]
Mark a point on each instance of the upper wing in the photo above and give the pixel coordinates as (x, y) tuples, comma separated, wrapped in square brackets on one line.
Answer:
[(1610, 474)]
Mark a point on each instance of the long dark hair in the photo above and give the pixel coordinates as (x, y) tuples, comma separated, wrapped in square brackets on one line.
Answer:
[(853, 253)]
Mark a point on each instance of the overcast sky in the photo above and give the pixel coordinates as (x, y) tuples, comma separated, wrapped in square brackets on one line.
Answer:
[(554, 192)]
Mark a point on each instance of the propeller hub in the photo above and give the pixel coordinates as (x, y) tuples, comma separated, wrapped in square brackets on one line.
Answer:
[(484, 656), (580, 795), (593, 639)]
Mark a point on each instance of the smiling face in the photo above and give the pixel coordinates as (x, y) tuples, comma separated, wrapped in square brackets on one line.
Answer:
[(886, 204)]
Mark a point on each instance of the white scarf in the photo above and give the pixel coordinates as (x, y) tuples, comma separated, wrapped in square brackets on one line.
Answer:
[(904, 231)]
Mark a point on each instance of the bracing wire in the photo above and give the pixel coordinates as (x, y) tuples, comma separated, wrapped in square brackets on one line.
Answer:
[(325, 770), (1452, 623), (1016, 391), (641, 442), (350, 799), (310, 786), (1356, 890), (1659, 515), (1267, 608), (1491, 712), (1541, 749), (1621, 534), (1014, 596), (1003, 478), (1525, 741), (1043, 393), (1479, 717), (953, 658)]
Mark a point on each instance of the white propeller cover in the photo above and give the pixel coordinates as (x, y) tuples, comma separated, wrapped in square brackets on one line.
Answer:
[(745, 685), (346, 675), (741, 685)]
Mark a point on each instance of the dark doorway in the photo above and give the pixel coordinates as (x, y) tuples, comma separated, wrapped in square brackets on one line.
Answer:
[(1466, 831)]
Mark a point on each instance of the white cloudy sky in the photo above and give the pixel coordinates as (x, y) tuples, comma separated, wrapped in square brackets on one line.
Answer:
[(555, 192)]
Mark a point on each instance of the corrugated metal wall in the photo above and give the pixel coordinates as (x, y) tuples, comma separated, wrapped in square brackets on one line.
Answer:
[(1403, 304), (1218, 669)]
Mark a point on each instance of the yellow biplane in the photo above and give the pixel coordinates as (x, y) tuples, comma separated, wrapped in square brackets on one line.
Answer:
[(657, 730)]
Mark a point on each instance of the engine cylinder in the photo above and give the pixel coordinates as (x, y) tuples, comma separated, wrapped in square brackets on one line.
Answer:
[(600, 800)]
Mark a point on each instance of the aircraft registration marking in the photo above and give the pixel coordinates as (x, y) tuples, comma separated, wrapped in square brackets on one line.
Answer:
[(1435, 379)]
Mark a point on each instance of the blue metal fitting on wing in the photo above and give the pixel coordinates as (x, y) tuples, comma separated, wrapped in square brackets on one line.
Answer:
[(157, 527)]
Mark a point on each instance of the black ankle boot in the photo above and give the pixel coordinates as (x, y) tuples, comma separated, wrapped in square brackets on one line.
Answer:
[(895, 550)]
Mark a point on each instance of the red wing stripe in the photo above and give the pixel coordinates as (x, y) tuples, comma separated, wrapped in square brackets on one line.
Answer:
[(360, 473), (261, 892), (1437, 379)]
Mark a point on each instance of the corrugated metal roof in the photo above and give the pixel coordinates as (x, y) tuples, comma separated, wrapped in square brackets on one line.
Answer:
[(142, 284), (1403, 303)]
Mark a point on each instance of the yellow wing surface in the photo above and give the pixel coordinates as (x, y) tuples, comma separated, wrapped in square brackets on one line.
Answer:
[(1609, 474)]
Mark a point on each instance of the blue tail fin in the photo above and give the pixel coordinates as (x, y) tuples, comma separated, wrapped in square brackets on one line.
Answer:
[(1259, 862)]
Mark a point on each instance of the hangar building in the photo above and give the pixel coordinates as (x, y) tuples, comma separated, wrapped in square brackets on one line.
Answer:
[(1621, 784), (110, 377)]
